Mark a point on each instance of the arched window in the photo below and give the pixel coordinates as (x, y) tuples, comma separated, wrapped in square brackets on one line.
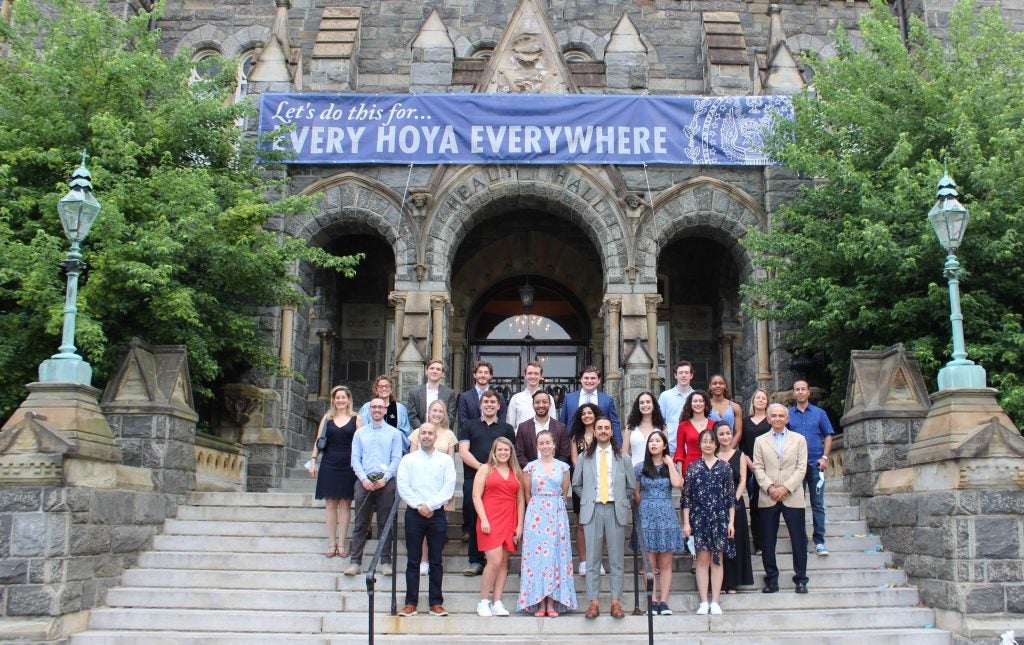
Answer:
[(245, 63), (576, 56), (206, 65), (482, 53)]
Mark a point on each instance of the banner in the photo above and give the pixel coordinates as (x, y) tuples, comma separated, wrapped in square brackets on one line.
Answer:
[(521, 128)]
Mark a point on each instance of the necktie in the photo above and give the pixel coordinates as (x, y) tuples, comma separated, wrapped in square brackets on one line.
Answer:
[(602, 482)]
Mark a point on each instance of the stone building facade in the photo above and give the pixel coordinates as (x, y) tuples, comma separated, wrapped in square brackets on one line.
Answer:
[(633, 267)]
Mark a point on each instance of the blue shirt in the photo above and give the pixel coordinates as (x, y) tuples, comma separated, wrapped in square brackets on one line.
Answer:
[(814, 425), (376, 450), (780, 442), (671, 402)]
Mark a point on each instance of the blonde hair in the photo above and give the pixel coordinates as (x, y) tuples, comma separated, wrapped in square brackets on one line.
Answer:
[(330, 407), (750, 408), (513, 463), (444, 419)]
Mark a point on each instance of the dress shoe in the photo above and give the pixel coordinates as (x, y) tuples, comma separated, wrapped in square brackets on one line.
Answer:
[(438, 610), (617, 610), (353, 570), (594, 610), (408, 610), (801, 588), (770, 588), (386, 570)]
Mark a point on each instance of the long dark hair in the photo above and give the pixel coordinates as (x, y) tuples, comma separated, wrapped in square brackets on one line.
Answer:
[(636, 418), (616, 447), (688, 406), (577, 429), (650, 470), (718, 442)]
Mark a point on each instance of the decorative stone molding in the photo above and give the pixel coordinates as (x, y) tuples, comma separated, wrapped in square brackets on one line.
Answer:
[(220, 466), (32, 453), (527, 59)]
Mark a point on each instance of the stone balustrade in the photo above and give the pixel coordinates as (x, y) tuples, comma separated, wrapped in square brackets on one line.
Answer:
[(220, 466)]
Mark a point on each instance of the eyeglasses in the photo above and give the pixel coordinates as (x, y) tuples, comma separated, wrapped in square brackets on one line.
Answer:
[(378, 407)]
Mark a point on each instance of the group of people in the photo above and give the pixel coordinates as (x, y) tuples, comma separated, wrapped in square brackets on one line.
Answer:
[(520, 464)]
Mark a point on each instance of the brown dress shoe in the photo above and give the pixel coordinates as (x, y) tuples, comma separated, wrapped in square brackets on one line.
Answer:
[(408, 610), (594, 610), (617, 610), (438, 610)]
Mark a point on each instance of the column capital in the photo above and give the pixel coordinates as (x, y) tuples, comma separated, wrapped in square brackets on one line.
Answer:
[(439, 300), (398, 299), (613, 303), (652, 300)]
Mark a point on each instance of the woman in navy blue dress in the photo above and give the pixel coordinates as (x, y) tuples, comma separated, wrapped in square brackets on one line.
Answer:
[(709, 506), (335, 479)]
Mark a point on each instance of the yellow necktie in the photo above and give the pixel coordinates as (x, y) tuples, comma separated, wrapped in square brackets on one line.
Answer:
[(602, 483)]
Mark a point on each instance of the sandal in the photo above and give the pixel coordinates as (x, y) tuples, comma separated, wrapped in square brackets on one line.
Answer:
[(540, 613), (338, 552), (552, 613), (332, 550)]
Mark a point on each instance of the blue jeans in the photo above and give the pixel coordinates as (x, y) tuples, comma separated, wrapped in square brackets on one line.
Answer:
[(817, 503)]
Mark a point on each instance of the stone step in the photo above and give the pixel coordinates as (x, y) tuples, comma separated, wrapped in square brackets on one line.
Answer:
[(851, 637), (465, 601), (315, 531), (454, 581), (312, 622), (217, 560)]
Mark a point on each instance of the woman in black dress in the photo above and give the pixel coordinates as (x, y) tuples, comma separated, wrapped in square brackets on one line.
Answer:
[(755, 425), (738, 570), (335, 479)]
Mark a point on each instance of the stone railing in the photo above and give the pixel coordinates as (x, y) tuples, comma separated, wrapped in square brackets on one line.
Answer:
[(220, 465), (836, 459)]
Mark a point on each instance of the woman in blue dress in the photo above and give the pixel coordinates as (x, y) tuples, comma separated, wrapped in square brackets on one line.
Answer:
[(655, 479), (547, 585), (709, 507)]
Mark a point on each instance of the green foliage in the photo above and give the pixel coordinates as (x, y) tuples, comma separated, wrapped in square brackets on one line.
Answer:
[(180, 253), (853, 259)]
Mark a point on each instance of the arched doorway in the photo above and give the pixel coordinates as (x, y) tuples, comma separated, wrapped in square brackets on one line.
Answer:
[(551, 328)]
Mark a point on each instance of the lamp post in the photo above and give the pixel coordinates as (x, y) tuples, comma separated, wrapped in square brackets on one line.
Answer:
[(78, 210), (949, 219)]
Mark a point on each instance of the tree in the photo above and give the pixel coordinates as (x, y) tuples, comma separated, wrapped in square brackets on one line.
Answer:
[(180, 253), (852, 260)]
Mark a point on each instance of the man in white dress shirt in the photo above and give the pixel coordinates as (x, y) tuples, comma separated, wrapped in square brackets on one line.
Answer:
[(520, 406), (426, 481)]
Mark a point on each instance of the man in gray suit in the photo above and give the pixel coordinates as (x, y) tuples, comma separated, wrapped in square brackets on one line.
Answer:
[(419, 398), (605, 482)]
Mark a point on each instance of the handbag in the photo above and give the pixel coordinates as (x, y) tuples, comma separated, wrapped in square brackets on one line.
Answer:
[(321, 440)]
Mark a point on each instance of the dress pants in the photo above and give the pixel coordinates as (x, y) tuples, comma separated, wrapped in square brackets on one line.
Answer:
[(435, 530), (769, 536), (755, 515), (366, 502), (602, 528), (469, 519)]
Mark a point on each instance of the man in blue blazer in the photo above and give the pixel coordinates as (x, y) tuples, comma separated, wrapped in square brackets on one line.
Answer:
[(590, 380), (469, 401)]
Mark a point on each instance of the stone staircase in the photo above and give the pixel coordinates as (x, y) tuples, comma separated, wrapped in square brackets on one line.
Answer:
[(247, 568)]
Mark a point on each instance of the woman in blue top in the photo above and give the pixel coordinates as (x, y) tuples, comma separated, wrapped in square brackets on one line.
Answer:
[(721, 408), (396, 416)]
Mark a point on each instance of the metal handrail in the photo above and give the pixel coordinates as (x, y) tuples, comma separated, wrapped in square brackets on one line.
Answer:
[(640, 556), (390, 532)]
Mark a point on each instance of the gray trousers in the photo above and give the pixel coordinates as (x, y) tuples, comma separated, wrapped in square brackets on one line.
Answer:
[(603, 527), (366, 503)]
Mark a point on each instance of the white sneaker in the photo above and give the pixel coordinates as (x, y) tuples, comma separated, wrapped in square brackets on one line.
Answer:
[(703, 609), (716, 609), (583, 567), (498, 609), (483, 608), (603, 572), (424, 568)]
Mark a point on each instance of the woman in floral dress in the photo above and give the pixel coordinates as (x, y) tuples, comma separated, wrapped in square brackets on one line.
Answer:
[(656, 476), (546, 582), (709, 507)]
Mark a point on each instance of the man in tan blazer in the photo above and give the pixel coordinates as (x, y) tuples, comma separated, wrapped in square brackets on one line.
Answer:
[(780, 463)]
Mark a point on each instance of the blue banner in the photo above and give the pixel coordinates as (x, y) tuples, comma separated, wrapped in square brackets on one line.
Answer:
[(521, 128)]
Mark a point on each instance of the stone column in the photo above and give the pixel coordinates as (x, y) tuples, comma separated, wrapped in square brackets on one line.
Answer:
[(326, 336), (458, 366), (248, 411), (728, 341), (397, 301), (438, 303), (652, 301), (764, 372), (613, 307), (638, 378), (287, 331)]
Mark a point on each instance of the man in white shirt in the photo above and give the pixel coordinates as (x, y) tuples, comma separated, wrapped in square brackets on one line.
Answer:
[(426, 481), (520, 406), (672, 401)]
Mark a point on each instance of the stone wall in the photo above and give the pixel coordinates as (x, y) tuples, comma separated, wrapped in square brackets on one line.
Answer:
[(61, 548)]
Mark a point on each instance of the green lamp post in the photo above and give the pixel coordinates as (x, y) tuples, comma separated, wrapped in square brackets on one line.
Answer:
[(949, 219), (78, 210)]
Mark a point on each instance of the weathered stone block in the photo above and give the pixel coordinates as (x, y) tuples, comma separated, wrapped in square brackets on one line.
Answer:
[(996, 538), (136, 426), (112, 507), (13, 572), (15, 499), (90, 540), (998, 502), (1015, 598), (127, 539), (1005, 571), (985, 599), (44, 600)]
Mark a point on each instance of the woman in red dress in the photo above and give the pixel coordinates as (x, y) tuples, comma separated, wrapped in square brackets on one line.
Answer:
[(692, 422), (500, 504)]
